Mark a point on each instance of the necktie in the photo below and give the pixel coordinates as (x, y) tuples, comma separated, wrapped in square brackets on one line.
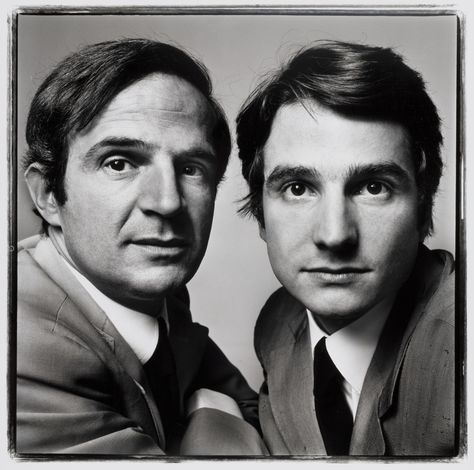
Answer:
[(332, 410), (161, 373)]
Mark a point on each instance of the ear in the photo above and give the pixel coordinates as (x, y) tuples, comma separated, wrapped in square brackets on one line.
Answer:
[(261, 231), (43, 199)]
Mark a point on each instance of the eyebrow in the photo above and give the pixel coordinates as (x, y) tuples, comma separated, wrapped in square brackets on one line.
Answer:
[(200, 153), (285, 172), (390, 169), (120, 142), (129, 143), (355, 172)]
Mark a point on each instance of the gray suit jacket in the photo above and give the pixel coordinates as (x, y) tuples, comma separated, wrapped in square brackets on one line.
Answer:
[(407, 403), (81, 389)]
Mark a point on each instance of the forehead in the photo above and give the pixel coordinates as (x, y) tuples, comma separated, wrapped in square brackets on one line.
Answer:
[(169, 93), (156, 103), (308, 134)]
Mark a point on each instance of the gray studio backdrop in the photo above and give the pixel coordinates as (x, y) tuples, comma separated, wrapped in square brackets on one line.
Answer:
[(235, 278)]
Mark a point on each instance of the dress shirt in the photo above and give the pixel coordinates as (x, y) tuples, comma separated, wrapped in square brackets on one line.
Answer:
[(351, 349)]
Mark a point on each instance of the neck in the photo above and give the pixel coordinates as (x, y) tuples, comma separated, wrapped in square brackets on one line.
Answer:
[(332, 324), (152, 308)]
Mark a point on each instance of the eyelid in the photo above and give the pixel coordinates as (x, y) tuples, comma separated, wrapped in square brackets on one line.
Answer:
[(287, 184), (114, 155)]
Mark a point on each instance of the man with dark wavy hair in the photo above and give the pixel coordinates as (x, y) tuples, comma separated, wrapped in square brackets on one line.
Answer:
[(341, 152), (126, 148)]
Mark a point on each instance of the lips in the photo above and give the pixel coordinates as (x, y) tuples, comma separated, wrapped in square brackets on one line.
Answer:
[(161, 248), (338, 275), (161, 242), (338, 270)]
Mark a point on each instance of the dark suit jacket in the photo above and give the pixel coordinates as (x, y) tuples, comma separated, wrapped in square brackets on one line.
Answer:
[(407, 400), (81, 389)]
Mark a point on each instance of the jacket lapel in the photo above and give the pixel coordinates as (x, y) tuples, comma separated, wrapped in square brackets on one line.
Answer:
[(378, 391), (290, 384), (97, 328), (379, 385)]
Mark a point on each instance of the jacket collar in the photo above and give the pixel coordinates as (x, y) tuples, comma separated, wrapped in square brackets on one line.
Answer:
[(290, 383)]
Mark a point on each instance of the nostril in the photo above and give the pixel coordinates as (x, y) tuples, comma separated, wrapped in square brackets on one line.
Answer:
[(344, 247), (337, 236)]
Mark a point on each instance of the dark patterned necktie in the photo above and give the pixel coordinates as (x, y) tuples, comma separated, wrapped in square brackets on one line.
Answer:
[(332, 410)]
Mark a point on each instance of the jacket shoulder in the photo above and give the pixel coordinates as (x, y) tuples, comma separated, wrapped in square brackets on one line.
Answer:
[(37, 293), (272, 310), (441, 305), (40, 303)]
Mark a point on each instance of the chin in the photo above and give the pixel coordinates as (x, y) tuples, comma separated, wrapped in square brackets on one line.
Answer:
[(337, 308), (156, 285)]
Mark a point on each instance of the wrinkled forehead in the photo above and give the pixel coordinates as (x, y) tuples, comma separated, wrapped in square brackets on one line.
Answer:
[(169, 97), (169, 93)]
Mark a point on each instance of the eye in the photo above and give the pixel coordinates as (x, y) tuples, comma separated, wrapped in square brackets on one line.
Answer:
[(374, 188), (118, 165), (194, 170), (295, 190), (191, 170)]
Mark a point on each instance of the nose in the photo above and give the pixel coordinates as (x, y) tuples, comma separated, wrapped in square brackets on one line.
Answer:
[(159, 190), (335, 224)]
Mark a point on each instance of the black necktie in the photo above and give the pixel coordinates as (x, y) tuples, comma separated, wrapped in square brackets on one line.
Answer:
[(161, 373), (332, 410)]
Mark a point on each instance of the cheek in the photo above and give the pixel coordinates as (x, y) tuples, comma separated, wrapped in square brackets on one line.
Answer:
[(93, 213), (284, 234), (393, 235), (201, 210)]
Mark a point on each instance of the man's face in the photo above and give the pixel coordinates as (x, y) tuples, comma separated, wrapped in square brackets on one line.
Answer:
[(340, 210), (140, 185)]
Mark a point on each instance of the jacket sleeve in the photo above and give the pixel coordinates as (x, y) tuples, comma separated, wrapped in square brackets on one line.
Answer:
[(218, 373), (213, 432), (68, 401)]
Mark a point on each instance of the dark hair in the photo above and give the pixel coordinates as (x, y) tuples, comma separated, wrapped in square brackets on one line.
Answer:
[(82, 85), (353, 80)]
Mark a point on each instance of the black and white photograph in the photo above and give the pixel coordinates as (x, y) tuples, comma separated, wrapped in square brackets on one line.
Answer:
[(237, 233)]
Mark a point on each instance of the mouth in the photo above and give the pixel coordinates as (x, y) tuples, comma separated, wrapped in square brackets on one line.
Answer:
[(340, 275), (162, 246), (161, 242)]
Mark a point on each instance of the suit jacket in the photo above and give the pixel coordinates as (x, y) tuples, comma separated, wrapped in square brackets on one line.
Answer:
[(407, 401), (81, 389)]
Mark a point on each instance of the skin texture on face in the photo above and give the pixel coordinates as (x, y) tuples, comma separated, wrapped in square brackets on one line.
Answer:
[(340, 211), (140, 186)]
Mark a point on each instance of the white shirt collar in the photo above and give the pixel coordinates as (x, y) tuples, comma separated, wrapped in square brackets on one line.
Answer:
[(138, 329), (351, 348)]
